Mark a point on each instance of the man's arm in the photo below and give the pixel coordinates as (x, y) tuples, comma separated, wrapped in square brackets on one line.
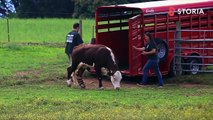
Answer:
[(153, 51), (79, 39), (139, 49)]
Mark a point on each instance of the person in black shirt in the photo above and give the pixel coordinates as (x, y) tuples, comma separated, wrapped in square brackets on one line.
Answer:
[(73, 39), (150, 49)]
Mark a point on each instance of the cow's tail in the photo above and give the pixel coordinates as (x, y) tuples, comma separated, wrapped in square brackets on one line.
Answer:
[(69, 78)]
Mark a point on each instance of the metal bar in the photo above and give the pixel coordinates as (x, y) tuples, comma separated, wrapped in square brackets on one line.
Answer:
[(204, 45), (194, 64), (194, 30), (187, 48), (200, 41), (178, 52), (193, 56), (194, 40), (200, 71)]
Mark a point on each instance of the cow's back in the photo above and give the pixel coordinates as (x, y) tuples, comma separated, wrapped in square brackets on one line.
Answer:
[(89, 53)]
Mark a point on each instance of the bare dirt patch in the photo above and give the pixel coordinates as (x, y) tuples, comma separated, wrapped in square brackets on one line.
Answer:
[(92, 83), (29, 72), (187, 85)]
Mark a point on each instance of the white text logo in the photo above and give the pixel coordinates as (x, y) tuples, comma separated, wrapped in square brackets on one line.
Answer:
[(190, 11)]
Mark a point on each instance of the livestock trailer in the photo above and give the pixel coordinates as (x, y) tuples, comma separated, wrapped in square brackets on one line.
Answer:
[(122, 26)]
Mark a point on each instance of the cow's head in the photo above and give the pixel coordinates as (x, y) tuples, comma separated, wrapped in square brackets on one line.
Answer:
[(116, 79)]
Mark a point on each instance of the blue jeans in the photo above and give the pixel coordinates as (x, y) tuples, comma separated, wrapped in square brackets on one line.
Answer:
[(149, 64)]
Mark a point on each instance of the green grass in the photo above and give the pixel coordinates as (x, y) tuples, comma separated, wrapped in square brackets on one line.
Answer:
[(56, 101), (33, 86), (42, 30), (33, 73), (195, 79), (22, 64), (20, 58)]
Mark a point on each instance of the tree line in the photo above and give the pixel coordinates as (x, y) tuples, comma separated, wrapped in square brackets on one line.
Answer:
[(61, 8)]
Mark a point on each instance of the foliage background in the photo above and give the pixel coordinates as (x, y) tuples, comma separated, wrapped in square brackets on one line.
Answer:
[(62, 8)]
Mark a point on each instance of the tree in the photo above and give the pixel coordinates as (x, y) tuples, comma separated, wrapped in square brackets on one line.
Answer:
[(57, 8), (86, 8), (6, 7), (45, 8)]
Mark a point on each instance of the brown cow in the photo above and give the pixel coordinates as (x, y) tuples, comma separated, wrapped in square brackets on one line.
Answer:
[(97, 56)]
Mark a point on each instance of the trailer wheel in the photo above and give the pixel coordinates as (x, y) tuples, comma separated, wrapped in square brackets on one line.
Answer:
[(172, 71), (194, 69), (162, 49)]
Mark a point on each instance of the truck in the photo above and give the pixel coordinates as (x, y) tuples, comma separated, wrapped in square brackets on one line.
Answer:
[(120, 27)]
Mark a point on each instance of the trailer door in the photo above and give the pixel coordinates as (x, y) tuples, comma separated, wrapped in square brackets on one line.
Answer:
[(135, 39)]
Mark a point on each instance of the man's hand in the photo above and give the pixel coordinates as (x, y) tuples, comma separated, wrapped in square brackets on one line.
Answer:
[(134, 47), (144, 53), (153, 51)]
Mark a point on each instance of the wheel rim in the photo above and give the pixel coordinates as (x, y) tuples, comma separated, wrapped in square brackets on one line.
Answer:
[(161, 50), (194, 68)]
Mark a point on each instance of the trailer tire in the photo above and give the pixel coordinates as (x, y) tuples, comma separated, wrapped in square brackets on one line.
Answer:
[(162, 49), (193, 68), (172, 71)]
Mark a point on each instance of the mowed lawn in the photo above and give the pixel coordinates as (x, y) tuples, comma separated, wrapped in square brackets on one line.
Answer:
[(56, 101), (32, 86), (42, 30)]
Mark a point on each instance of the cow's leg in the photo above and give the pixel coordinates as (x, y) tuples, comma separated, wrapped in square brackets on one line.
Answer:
[(79, 77), (98, 72), (69, 78), (70, 70), (100, 83)]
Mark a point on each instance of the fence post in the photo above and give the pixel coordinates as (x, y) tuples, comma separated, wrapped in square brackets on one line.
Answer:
[(178, 51), (8, 26), (81, 31)]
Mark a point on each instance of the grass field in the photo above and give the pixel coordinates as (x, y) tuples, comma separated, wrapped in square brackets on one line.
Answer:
[(42, 30), (56, 101), (32, 84)]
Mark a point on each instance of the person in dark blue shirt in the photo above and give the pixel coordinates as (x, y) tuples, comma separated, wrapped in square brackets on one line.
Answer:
[(150, 50), (73, 39)]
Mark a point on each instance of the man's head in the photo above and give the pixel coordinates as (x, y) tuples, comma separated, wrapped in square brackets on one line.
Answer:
[(148, 37), (76, 26)]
